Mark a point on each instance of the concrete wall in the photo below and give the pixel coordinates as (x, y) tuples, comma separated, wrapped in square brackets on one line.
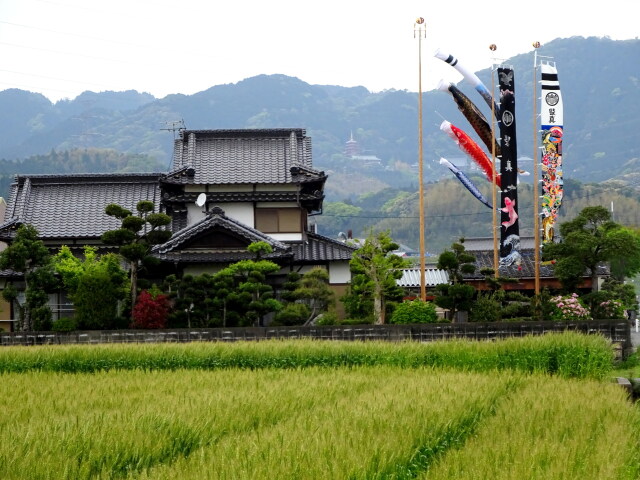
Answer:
[(618, 331)]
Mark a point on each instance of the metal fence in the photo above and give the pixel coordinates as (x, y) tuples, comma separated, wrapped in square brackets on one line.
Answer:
[(618, 331)]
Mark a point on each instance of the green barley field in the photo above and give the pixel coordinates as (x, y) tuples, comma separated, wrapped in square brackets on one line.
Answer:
[(538, 407)]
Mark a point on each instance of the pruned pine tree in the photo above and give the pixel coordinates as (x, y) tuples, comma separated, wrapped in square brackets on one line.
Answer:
[(456, 296), (314, 291), (376, 270), (136, 236)]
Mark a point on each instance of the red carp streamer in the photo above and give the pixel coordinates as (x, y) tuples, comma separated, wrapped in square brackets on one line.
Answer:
[(471, 148)]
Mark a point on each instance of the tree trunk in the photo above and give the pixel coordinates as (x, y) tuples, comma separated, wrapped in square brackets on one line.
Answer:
[(26, 310), (134, 285), (21, 324), (594, 279), (224, 314), (311, 317), (378, 307)]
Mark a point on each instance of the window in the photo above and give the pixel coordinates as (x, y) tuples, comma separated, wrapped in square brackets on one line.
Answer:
[(278, 220)]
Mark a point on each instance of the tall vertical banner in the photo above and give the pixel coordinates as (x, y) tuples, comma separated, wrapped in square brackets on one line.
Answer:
[(551, 126), (509, 225)]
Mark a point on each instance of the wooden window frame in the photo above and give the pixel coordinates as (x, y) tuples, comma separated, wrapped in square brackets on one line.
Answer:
[(278, 220)]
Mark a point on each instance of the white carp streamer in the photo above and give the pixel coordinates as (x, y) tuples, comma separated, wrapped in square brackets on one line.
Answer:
[(469, 76)]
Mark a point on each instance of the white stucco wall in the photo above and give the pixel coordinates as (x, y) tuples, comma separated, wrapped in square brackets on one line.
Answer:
[(243, 212), (339, 272), (194, 213), (283, 237)]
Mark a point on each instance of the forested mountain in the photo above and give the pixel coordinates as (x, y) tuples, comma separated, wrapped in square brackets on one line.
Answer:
[(86, 160), (600, 86), (451, 212), (599, 79)]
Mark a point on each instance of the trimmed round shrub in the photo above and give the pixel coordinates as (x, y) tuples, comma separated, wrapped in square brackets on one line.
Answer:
[(327, 318), (414, 312), (66, 324), (292, 314), (485, 309)]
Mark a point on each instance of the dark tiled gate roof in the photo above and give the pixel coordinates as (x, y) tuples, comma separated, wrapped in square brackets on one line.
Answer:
[(526, 269)]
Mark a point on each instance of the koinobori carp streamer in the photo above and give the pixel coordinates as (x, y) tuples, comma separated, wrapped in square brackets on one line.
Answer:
[(471, 148), (465, 181), (473, 115), (470, 77)]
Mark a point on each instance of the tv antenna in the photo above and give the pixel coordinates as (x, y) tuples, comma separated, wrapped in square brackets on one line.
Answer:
[(175, 126)]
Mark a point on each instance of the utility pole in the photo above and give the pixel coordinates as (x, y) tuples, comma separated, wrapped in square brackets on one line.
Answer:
[(536, 198), (420, 30), (494, 199)]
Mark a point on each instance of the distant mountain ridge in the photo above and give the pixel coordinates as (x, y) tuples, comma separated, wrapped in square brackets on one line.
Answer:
[(599, 80)]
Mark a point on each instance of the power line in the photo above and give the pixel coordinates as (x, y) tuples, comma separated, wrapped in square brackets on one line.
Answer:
[(413, 217), (77, 35)]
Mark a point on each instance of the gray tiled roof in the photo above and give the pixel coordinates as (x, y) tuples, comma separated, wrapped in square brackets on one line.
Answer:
[(482, 249), (526, 269), (242, 156), (217, 218), (484, 259), (72, 206), (225, 197), (213, 257), (318, 248)]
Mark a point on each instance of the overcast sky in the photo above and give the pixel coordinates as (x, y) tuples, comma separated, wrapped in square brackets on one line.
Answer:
[(61, 48)]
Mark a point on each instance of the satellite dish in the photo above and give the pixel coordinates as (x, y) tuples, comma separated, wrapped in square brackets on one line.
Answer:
[(202, 198)]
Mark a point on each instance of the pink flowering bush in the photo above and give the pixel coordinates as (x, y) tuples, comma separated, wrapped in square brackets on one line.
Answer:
[(567, 308), (609, 309)]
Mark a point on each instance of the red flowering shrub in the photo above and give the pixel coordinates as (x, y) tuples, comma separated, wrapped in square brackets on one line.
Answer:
[(150, 311)]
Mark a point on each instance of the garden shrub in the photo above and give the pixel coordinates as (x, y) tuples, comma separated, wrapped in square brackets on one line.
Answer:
[(415, 311), (485, 309), (66, 324), (41, 318), (604, 304), (96, 297), (327, 318), (608, 309), (569, 308), (150, 311), (292, 314)]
